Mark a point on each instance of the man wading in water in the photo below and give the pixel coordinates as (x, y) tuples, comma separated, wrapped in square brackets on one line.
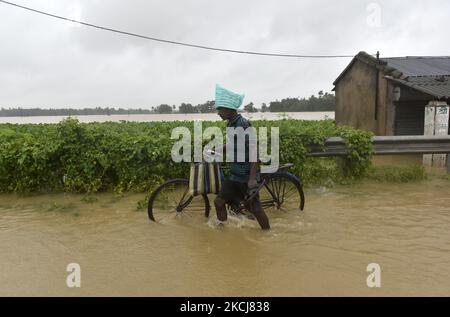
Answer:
[(244, 175)]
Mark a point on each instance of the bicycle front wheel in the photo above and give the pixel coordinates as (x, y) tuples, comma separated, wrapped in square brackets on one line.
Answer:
[(172, 199), (282, 191)]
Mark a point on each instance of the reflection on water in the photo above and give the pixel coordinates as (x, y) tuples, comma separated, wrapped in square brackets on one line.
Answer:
[(323, 251)]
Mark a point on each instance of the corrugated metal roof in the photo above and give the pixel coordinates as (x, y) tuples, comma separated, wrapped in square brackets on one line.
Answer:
[(420, 66), (428, 74), (438, 86)]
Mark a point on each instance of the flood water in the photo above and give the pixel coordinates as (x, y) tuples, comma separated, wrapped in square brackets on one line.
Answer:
[(171, 117), (324, 250)]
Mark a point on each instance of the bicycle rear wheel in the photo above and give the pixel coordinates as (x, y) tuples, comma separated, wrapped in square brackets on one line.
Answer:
[(172, 199), (282, 191)]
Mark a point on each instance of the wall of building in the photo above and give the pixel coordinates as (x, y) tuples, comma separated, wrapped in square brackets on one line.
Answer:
[(410, 111), (409, 118), (355, 99)]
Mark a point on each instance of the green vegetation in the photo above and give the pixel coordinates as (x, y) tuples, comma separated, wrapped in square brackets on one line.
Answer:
[(89, 199), (136, 156), (324, 102), (250, 108), (359, 152), (400, 174), (207, 107)]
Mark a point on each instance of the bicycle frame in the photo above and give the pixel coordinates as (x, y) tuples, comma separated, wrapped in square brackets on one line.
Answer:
[(276, 200)]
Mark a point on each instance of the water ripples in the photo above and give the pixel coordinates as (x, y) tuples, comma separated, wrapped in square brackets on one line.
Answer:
[(323, 250)]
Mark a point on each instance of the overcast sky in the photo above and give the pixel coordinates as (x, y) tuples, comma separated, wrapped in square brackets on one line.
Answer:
[(48, 62)]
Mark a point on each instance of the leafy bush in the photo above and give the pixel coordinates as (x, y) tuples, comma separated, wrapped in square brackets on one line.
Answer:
[(359, 151), (136, 156)]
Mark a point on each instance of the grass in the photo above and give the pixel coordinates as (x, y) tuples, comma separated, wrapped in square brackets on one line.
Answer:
[(89, 199), (397, 174)]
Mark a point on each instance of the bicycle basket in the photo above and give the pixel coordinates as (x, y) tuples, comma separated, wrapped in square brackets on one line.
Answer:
[(205, 178)]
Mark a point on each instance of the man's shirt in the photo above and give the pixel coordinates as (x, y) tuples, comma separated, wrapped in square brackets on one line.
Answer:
[(240, 171)]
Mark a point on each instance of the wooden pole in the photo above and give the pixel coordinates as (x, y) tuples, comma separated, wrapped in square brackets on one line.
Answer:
[(377, 85)]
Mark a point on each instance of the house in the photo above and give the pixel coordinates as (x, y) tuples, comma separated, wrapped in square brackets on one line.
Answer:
[(388, 96)]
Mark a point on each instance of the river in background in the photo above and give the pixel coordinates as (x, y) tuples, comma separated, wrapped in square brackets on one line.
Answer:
[(324, 250), (171, 117)]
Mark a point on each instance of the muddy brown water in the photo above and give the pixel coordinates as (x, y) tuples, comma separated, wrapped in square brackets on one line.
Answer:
[(325, 250)]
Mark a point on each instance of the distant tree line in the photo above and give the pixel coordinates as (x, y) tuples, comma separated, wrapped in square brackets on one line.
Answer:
[(18, 112), (323, 102), (207, 107)]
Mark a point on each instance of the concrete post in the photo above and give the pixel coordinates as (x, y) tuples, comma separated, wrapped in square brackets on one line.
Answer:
[(441, 128), (436, 123), (430, 112)]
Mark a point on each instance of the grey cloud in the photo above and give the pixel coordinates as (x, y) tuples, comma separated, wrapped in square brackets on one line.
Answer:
[(46, 62)]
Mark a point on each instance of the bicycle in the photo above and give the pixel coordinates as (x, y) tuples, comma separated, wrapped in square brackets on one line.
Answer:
[(280, 188)]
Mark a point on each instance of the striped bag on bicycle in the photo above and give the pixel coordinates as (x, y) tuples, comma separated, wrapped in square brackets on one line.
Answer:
[(205, 178)]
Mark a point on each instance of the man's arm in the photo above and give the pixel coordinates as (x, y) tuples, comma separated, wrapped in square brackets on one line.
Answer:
[(252, 179), (253, 153)]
